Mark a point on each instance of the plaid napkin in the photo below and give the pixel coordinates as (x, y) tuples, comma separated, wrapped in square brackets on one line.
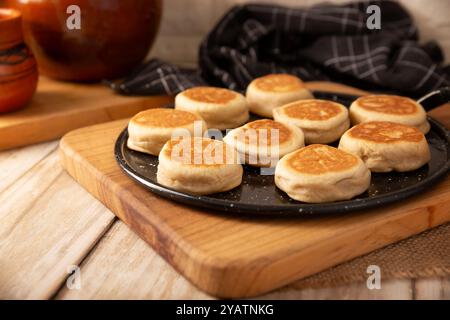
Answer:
[(324, 42)]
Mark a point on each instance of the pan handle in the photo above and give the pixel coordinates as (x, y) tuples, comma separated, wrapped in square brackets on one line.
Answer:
[(435, 98)]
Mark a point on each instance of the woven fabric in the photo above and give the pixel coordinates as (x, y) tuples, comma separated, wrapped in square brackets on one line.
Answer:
[(325, 42), (424, 255)]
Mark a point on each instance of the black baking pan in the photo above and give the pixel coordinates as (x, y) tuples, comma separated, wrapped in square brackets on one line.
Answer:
[(258, 194)]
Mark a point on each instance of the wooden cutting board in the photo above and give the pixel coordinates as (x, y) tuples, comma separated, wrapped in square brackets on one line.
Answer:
[(59, 107), (241, 256)]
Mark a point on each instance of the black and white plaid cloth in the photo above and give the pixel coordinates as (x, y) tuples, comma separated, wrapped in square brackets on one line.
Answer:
[(325, 42)]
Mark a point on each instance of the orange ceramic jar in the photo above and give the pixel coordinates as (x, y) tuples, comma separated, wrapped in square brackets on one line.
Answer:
[(113, 37), (18, 70)]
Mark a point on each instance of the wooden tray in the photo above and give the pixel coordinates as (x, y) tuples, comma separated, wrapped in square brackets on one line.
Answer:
[(239, 256), (59, 107)]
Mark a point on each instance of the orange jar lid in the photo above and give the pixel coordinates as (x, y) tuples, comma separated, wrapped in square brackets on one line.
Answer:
[(10, 28)]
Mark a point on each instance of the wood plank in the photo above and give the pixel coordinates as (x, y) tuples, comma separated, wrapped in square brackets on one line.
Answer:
[(47, 224), (123, 266), (239, 257), (14, 163), (390, 290), (432, 289), (333, 87), (59, 107)]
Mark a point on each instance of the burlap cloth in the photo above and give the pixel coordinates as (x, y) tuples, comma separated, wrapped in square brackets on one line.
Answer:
[(424, 255)]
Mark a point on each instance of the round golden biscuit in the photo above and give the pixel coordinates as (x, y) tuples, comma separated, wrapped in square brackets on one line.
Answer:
[(199, 166), (387, 146), (320, 173), (263, 142), (274, 90), (322, 121), (149, 130), (389, 108), (220, 108)]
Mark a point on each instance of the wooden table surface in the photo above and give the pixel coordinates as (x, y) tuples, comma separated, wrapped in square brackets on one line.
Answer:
[(49, 223)]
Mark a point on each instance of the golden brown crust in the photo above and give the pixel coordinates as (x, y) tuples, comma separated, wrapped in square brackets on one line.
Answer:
[(203, 151), (386, 132), (278, 83), (210, 94), (320, 159), (312, 110), (388, 104), (164, 118), (284, 134)]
